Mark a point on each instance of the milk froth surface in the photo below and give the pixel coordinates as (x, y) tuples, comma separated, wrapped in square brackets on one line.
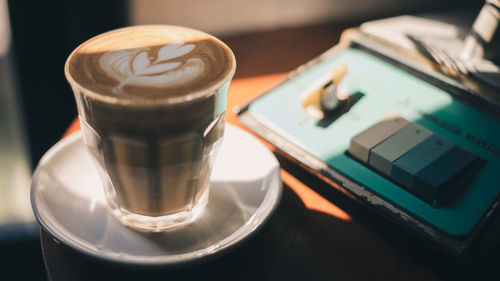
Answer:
[(151, 63)]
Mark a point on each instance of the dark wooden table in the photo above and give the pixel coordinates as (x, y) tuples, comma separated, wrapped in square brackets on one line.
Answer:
[(317, 233)]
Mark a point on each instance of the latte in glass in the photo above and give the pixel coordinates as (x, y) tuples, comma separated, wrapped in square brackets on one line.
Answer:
[(152, 101)]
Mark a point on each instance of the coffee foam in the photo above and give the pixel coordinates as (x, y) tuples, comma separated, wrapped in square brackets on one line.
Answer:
[(151, 62)]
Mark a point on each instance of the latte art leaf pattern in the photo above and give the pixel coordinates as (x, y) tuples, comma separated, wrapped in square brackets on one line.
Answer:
[(174, 50), (142, 66), (136, 67), (121, 63)]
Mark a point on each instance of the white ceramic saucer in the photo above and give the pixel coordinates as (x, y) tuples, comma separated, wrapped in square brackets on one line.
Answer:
[(69, 203)]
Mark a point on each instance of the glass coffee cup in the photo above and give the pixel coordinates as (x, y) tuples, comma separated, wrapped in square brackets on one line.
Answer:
[(151, 102)]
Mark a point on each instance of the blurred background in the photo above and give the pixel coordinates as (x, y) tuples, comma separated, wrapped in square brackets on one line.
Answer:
[(37, 105)]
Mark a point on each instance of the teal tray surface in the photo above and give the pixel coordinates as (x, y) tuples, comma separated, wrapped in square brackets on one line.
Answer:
[(389, 90)]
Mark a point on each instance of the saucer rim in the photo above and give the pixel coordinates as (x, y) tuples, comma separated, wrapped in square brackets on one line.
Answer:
[(274, 194)]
